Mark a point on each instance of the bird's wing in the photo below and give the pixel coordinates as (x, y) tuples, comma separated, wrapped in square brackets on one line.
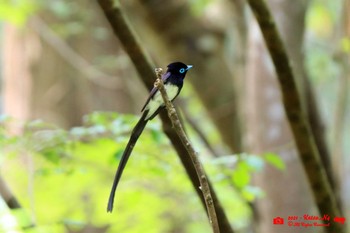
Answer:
[(154, 90)]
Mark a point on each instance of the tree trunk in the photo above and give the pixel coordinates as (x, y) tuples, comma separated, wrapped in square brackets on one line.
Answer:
[(268, 129)]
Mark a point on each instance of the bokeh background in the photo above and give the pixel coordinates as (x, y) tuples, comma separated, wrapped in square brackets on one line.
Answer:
[(70, 96)]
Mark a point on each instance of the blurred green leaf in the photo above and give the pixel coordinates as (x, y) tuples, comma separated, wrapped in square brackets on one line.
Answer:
[(198, 6), (275, 160), (241, 176), (17, 12), (319, 20), (345, 44)]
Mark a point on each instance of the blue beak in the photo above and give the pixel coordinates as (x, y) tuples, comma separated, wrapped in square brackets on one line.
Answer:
[(189, 67)]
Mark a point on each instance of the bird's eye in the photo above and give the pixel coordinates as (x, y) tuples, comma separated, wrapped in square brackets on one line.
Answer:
[(182, 70)]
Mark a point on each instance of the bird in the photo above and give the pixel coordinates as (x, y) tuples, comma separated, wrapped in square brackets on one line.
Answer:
[(173, 81)]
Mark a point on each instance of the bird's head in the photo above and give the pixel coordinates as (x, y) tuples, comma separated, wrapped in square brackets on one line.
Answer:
[(178, 68)]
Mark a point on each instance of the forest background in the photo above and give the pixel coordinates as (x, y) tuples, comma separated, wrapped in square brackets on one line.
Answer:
[(70, 96)]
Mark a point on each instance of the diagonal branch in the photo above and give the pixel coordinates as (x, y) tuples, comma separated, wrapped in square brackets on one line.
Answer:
[(192, 153), (304, 139)]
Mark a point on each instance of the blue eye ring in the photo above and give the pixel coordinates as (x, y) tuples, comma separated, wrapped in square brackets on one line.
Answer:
[(182, 70)]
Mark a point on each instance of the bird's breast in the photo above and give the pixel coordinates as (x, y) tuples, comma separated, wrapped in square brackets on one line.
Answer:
[(157, 100)]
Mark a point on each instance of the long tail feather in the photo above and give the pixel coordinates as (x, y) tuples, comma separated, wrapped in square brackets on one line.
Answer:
[(129, 147)]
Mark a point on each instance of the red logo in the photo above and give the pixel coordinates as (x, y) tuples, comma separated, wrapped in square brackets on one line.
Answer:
[(308, 220), (339, 219), (278, 221)]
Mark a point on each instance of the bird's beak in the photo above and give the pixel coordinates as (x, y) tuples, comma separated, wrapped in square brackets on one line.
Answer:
[(189, 67)]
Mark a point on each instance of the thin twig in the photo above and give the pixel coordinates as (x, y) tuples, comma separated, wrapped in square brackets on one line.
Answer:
[(192, 153)]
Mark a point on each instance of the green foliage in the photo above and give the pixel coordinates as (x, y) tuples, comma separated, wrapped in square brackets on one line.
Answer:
[(63, 178), (275, 161), (345, 45), (198, 6), (241, 176), (245, 166), (17, 12), (320, 20)]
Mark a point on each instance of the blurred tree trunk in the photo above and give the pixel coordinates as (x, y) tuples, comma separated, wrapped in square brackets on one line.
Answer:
[(201, 43), (55, 76), (19, 50), (268, 129), (339, 159)]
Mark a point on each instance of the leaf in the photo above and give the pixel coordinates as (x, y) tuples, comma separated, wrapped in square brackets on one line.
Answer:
[(345, 45), (241, 176), (52, 155), (319, 20), (17, 12), (275, 160)]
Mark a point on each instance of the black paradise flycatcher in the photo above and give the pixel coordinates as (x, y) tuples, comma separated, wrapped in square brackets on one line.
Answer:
[(173, 82)]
